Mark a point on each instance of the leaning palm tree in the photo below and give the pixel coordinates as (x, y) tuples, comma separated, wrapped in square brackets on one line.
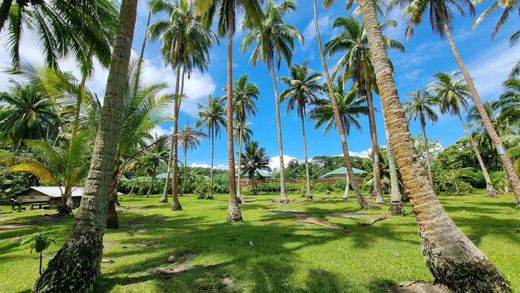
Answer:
[(274, 42), (253, 160), (350, 107), (302, 89), (76, 266), (449, 254), (421, 107), (189, 138), (355, 64), (451, 92), (337, 115), (212, 117), (227, 15), (441, 16)]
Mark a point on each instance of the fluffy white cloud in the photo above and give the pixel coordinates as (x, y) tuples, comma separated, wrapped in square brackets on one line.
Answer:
[(362, 154), (204, 165), (274, 162)]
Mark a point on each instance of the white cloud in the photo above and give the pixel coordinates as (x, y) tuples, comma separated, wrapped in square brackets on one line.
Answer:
[(204, 165), (274, 162), (310, 31), (160, 131), (362, 154)]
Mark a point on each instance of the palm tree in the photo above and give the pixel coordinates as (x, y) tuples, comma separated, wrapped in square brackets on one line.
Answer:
[(27, 113), (227, 15), (337, 115), (441, 15), (245, 94), (153, 157), (253, 160), (75, 267), (185, 45), (451, 92), (189, 138), (449, 254), (506, 6), (355, 64), (421, 107), (396, 203), (350, 107), (275, 41), (212, 117), (509, 102), (302, 90)]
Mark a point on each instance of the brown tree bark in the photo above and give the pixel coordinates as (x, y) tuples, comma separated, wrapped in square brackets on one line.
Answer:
[(4, 12), (396, 203), (375, 147), (77, 109), (451, 257), (308, 193), (363, 203), (427, 151), (239, 166), (112, 217), (497, 140), (212, 138), (75, 268), (176, 205)]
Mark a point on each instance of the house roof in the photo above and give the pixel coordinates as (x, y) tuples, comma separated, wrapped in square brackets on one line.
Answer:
[(342, 171), (260, 173), (55, 192)]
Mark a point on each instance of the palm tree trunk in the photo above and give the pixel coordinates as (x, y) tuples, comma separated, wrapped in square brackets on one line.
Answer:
[(239, 166), (76, 266), (112, 217), (185, 169), (176, 205), (396, 205), (77, 109), (233, 213), (347, 183), (132, 188), (283, 194), (497, 140), (4, 12), (152, 181), (308, 194), (451, 257), (427, 150), (375, 147), (212, 138), (164, 197), (363, 203), (141, 55), (490, 189)]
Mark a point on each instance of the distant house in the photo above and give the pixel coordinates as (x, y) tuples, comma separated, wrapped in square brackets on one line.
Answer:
[(260, 176), (341, 174), (52, 194)]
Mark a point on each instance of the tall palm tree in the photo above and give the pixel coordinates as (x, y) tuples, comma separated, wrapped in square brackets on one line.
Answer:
[(396, 202), (451, 92), (212, 117), (253, 160), (274, 42), (185, 44), (421, 107), (449, 254), (355, 64), (153, 157), (350, 107), (189, 138), (506, 6), (302, 89), (245, 95), (227, 15), (509, 102), (75, 267), (441, 15), (337, 115)]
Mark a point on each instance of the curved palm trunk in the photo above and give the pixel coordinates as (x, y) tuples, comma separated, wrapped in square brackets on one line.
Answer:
[(451, 257), (375, 147), (396, 205), (152, 183), (4, 12), (347, 188), (176, 205), (132, 188), (308, 193), (76, 266), (212, 138), (233, 213), (363, 203), (497, 140), (490, 189), (164, 197), (427, 150)]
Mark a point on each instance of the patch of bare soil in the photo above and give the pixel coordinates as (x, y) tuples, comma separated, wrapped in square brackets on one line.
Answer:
[(14, 226), (137, 208), (351, 215), (181, 264), (418, 287), (4, 218), (41, 221), (305, 218), (108, 244)]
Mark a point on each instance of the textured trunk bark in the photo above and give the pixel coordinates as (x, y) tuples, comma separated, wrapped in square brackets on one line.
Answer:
[(185, 149), (283, 193), (76, 266), (346, 192), (212, 138), (77, 109), (308, 193), (152, 183), (451, 257), (396, 204), (239, 166), (176, 205), (490, 189), (233, 213), (141, 55), (112, 217), (375, 147), (164, 197), (363, 203), (497, 140), (4, 12), (427, 150)]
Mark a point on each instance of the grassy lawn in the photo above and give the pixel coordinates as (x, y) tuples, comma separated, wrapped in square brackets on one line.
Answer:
[(272, 251)]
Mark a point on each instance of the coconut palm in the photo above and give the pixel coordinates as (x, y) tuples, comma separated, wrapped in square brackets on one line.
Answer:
[(245, 95), (441, 16), (337, 115), (274, 42), (506, 6), (189, 138), (509, 102), (302, 89), (212, 117), (227, 15), (153, 157), (421, 107), (185, 44), (449, 254), (396, 202), (451, 92), (253, 160), (355, 64)]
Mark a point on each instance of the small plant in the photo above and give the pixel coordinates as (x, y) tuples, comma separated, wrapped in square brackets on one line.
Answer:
[(39, 242)]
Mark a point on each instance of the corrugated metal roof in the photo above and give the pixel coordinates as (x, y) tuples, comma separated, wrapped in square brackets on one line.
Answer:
[(55, 192), (342, 171)]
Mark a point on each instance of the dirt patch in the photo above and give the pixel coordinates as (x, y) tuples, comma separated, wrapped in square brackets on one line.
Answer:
[(146, 243), (14, 226), (4, 219), (305, 218), (418, 287), (181, 267), (137, 208), (351, 215), (108, 244)]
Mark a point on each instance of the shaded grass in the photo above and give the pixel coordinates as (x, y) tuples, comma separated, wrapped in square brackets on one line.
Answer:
[(270, 252)]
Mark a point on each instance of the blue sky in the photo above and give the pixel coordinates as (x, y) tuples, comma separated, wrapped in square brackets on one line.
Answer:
[(489, 61)]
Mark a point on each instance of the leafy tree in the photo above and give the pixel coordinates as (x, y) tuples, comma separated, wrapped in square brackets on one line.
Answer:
[(39, 243), (254, 159)]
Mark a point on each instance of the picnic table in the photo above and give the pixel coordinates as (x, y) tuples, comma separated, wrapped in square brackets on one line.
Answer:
[(17, 205)]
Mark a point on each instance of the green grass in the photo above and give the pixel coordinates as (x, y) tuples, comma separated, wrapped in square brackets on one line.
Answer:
[(286, 255)]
